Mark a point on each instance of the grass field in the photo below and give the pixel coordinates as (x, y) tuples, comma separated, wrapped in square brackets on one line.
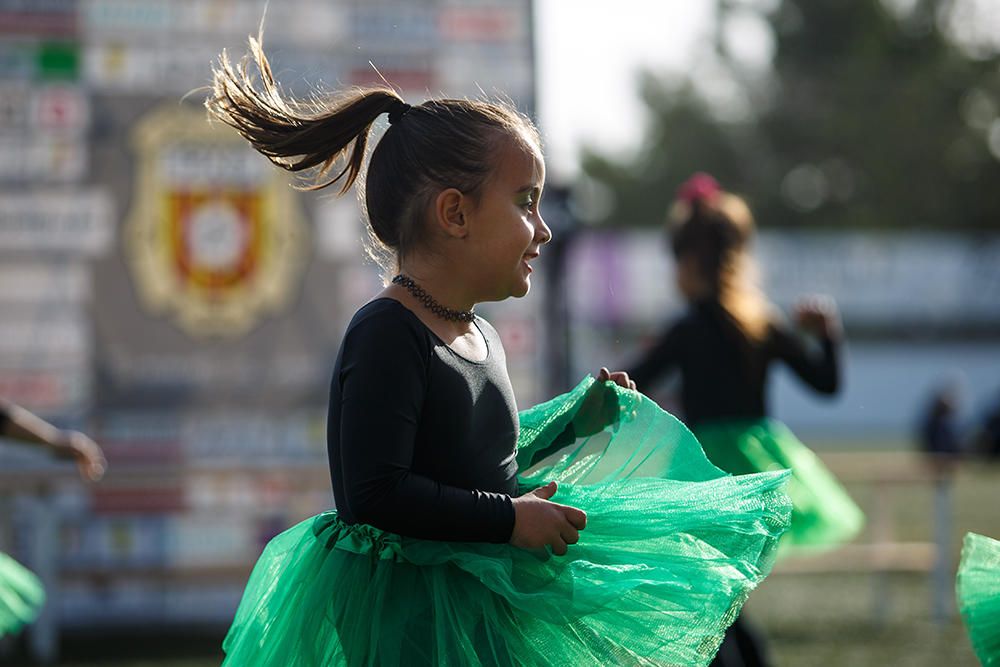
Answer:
[(808, 619)]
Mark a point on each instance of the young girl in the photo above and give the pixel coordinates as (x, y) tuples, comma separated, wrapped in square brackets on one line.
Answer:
[(446, 547), (723, 347), (21, 593)]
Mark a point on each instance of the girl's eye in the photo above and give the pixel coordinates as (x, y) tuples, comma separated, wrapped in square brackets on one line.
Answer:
[(529, 204)]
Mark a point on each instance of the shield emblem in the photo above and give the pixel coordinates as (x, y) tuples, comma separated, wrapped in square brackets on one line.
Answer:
[(214, 240)]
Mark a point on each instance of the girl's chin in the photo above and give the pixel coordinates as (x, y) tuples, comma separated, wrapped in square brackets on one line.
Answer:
[(521, 288)]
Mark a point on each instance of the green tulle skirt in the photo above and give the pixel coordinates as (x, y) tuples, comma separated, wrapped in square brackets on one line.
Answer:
[(21, 596), (672, 548), (823, 515), (978, 590)]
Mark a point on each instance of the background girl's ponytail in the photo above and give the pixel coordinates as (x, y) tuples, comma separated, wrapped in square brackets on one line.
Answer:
[(296, 135)]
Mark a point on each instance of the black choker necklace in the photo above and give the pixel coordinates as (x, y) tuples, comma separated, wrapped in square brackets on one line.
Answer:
[(432, 305)]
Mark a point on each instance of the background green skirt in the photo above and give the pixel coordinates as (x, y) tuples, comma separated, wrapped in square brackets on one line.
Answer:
[(672, 548), (21, 596), (978, 589), (823, 514)]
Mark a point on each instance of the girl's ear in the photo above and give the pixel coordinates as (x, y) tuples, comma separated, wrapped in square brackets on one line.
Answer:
[(449, 213)]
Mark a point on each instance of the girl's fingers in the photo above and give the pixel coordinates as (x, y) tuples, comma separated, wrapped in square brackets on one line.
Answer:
[(577, 518), (545, 492), (569, 534), (559, 547), (96, 470), (632, 385), (622, 379)]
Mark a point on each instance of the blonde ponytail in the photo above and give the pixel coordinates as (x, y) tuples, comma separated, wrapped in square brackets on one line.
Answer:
[(716, 228)]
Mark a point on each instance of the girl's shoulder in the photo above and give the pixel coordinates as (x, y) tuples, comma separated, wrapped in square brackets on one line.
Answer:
[(385, 321), (488, 330), (381, 309), (494, 342)]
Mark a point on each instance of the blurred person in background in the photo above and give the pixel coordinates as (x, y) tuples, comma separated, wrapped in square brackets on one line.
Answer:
[(17, 423), (987, 437), (938, 433), (21, 593), (723, 348), (439, 552)]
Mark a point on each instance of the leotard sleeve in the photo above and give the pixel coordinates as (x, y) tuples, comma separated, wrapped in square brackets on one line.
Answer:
[(820, 371)]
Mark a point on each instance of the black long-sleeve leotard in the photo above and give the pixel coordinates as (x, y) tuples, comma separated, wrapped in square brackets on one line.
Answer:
[(723, 374), (421, 441)]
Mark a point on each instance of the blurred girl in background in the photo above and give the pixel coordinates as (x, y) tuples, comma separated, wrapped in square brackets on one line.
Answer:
[(724, 346)]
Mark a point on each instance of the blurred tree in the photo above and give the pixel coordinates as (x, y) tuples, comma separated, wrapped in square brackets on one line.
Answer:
[(874, 114)]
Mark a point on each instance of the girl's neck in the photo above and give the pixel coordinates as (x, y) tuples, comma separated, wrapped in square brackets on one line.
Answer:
[(441, 281), (445, 288)]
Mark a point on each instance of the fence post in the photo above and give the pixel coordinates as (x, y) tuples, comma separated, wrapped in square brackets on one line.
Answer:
[(943, 580), (881, 534), (43, 634)]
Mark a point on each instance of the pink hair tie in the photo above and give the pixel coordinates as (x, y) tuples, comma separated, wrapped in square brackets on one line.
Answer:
[(700, 187)]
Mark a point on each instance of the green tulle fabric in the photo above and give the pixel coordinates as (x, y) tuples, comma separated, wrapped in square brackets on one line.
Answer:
[(21, 596), (978, 590), (672, 548), (823, 514)]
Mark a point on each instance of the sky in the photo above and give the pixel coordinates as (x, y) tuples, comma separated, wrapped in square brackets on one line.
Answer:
[(589, 54)]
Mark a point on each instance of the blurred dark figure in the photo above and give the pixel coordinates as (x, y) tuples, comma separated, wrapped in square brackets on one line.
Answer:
[(938, 429), (22, 594), (20, 425), (987, 439)]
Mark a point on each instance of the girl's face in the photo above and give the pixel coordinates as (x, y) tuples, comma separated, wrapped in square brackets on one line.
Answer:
[(505, 228)]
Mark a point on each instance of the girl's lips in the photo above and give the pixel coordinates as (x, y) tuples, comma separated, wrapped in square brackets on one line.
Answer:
[(527, 258)]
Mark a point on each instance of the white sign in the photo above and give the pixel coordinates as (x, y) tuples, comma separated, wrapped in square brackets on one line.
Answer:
[(340, 229), (63, 221), (157, 69), (885, 278), (49, 109), (61, 109), (44, 391), (33, 283), (877, 279), (38, 157), (312, 23), (46, 334)]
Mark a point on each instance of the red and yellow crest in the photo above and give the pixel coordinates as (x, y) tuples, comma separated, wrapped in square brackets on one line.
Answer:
[(214, 238)]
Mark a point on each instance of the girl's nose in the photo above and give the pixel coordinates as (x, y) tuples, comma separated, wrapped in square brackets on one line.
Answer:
[(542, 232)]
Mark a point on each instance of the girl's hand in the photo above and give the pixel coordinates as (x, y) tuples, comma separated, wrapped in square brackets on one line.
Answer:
[(600, 405), (89, 457), (620, 378), (818, 315), (538, 522)]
